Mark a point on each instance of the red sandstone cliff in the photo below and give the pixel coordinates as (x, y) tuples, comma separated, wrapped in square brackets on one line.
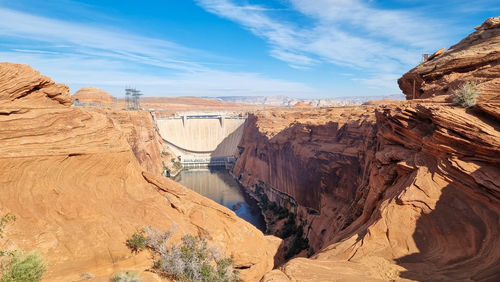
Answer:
[(407, 190), (76, 187)]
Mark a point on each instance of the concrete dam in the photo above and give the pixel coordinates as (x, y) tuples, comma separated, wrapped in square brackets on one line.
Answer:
[(200, 138)]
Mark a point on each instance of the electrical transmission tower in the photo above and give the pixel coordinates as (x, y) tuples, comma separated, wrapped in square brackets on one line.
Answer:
[(132, 96)]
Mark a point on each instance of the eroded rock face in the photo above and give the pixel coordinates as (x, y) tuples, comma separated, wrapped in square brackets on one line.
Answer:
[(475, 58), (23, 87), (430, 206), (142, 136), (92, 95), (319, 157), (76, 187)]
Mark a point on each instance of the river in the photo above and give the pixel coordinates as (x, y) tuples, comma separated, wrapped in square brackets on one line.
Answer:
[(218, 185)]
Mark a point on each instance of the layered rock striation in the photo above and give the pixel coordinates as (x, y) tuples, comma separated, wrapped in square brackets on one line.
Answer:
[(313, 161), (78, 191), (475, 58), (414, 192)]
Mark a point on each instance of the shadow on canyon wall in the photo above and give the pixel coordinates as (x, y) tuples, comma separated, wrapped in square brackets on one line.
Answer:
[(459, 239), (228, 146)]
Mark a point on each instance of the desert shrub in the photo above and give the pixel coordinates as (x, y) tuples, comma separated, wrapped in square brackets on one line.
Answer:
[(6, 219), (137, 242), (26, 268), (466, 95), (193, 260), (126, 276)]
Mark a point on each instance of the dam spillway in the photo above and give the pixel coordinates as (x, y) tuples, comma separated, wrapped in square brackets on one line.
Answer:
[(202, 138)]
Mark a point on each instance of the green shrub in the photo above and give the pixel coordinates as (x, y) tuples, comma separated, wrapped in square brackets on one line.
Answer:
[(137, 242), (126, 276), (466, 95), (27, 268)]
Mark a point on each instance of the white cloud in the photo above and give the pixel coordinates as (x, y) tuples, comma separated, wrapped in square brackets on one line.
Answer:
[(341, 32), (81, 55), (78, 71)]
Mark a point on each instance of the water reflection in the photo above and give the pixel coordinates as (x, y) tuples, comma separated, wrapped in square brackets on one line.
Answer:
[(219, 185)]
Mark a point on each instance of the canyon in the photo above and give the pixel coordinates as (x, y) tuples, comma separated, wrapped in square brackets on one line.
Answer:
[(391, 190), (402, 190)]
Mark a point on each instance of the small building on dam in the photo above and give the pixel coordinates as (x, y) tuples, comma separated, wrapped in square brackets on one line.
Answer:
[(202, 138)]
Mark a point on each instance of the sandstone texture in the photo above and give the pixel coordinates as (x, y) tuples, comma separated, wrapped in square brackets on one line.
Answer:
[(23, 87), (143, 137), (318, 157), (397, 191), (475, 58), (93, 96), (76, 186)]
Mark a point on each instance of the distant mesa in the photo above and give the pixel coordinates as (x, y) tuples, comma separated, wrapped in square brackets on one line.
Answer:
[(302, 105), (93, 96), (285, 101)]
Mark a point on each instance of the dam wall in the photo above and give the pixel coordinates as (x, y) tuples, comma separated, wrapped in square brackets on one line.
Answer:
[(202, 137)]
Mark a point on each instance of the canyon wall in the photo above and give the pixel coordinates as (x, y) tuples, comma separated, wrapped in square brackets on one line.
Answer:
[(420, 199), (73, 181), (317, 157)]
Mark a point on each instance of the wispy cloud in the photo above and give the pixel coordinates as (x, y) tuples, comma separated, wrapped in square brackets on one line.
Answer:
[(349, 33), (81, 55)]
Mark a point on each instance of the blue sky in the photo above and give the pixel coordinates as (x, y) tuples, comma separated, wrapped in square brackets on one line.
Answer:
[(298, 48)]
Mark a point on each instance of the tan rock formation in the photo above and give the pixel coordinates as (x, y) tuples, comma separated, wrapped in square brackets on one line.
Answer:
[(93, 96), (143, 138), (23, 87), (72, 180), (475, 58)]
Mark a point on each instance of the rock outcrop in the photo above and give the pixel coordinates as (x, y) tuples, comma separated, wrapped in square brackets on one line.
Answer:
[(93, 96), (143, 137), (23, 87), (76, 187), (475, 58), (421, 195)]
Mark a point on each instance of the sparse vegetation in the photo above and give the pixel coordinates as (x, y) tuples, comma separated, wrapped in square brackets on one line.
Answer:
[(193, 260), (298, 244), (466, 95), (26, 268), (137, 242), (6, 219), (289, 228), (126, 276)]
